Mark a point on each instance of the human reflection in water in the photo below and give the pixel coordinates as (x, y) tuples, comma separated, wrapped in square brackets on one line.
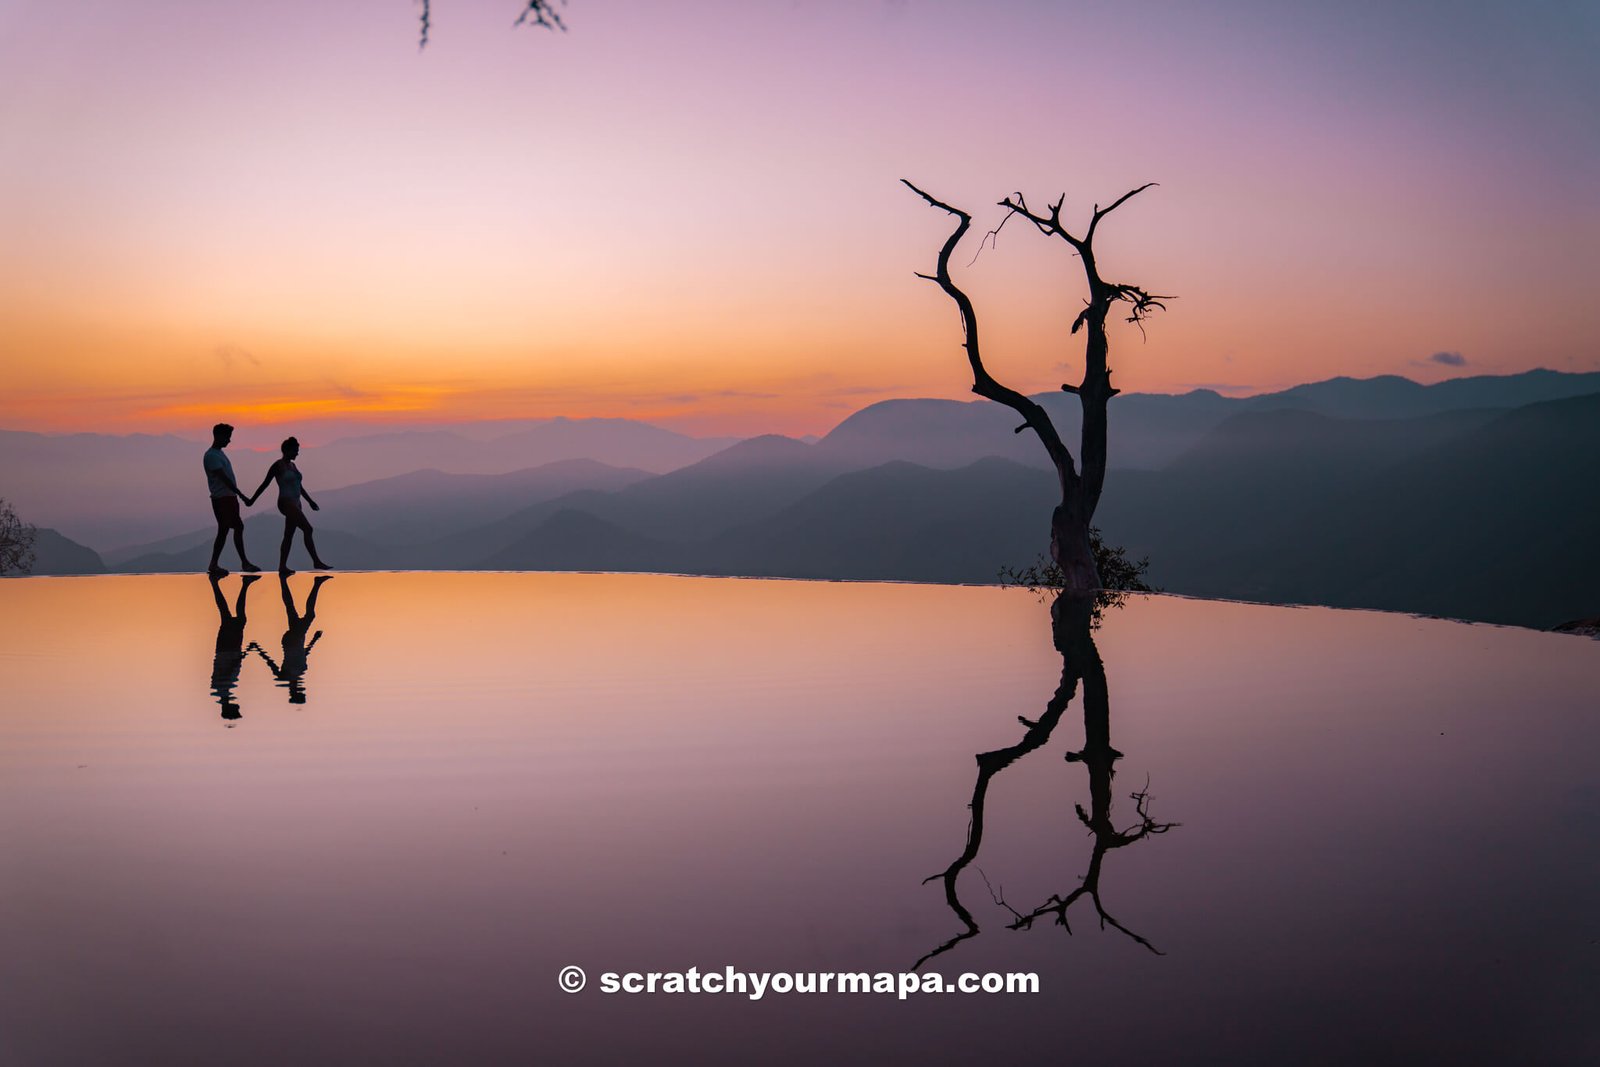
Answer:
[(1073, 620), (229, 657), (291, 672)]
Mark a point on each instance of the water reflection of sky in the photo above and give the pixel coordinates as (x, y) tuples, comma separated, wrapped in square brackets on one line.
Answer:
[(1389, 845)]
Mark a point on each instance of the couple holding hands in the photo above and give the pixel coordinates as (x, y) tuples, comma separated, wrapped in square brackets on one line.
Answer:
[(225, 497)]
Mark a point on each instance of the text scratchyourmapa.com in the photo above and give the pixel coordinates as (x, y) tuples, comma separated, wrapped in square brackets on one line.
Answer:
[(730, 981)]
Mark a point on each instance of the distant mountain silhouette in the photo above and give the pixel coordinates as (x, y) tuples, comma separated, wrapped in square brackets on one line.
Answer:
[(1392, 397), (745, 482), (100, 489), (1473, 514), (420, 507), (512, 447), (55, 554), (1463, 515), (1148, 431), (1465, 507), (1499, 525), (428, 505), (900, 521), (577, 541), (615, 442), (262, 532), (112, 491)]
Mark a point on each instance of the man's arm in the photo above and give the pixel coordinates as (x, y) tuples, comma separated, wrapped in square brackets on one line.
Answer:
[(221, 471)]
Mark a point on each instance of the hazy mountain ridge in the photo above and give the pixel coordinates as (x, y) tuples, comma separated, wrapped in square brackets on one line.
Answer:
[(428, 505), (382, 516), (109, 491), (1456, 511), (112, 491), (55, 554), (1496, 522), (1148, 431)]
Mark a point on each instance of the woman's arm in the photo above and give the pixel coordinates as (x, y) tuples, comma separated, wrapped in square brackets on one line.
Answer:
[(262, 488), (307, 498), (276, 670)]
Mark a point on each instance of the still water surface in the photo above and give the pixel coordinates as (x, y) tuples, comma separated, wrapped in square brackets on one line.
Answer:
[(373, 828)]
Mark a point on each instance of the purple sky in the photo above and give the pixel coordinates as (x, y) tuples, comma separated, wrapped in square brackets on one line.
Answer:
[(690, 212)]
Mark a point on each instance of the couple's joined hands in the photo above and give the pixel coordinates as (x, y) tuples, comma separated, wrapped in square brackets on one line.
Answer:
[(250, 501)]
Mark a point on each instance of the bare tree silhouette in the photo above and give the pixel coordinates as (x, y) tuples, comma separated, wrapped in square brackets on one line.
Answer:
[(16, 541), (1073, 620), (538, 12), (1070, 547)]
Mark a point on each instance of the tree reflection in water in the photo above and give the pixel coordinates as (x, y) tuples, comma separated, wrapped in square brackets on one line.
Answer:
[(1073, 621)]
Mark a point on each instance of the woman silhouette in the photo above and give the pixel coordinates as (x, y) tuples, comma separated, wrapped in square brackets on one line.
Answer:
[(290, 493), (291, 673)]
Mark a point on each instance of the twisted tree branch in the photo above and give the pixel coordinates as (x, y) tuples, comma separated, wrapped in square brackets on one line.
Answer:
[(539, 12), (983, 384)]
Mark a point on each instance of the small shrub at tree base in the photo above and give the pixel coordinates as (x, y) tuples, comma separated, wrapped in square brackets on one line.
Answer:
[(1118, 573)]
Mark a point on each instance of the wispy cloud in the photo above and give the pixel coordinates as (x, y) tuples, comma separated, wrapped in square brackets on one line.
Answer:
[(860, 390), (1449, 359), (232, 355), (716, 394), (346, 390)]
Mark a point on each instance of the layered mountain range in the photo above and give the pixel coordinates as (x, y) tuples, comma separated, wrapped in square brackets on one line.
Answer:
[(1473, 498)]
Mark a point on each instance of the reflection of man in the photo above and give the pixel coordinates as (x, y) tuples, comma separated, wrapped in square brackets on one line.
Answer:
[(296, 650), (229, 656), (225, 497)]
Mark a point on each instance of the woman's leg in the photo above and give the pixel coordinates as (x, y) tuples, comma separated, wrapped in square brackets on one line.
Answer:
[(288, 541), (297, 518), (310, 538), (311, 545)]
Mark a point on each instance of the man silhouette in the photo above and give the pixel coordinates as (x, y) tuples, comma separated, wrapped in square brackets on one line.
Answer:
[(230, 654), (225, 497)]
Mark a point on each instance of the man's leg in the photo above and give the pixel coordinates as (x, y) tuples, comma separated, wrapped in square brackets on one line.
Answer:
[(244, 591), (238, 543), (222, 605), (216, 551)]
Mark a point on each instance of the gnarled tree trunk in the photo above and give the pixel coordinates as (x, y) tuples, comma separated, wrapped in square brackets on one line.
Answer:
[(1070, 545)]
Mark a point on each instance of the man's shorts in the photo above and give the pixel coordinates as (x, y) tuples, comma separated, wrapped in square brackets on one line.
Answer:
[(226, 509)]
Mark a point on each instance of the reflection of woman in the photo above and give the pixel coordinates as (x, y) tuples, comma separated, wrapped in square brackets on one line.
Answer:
[(291, 672), (290, 494)]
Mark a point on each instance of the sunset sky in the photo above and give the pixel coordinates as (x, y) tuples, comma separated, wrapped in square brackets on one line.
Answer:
[(690, 212)]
